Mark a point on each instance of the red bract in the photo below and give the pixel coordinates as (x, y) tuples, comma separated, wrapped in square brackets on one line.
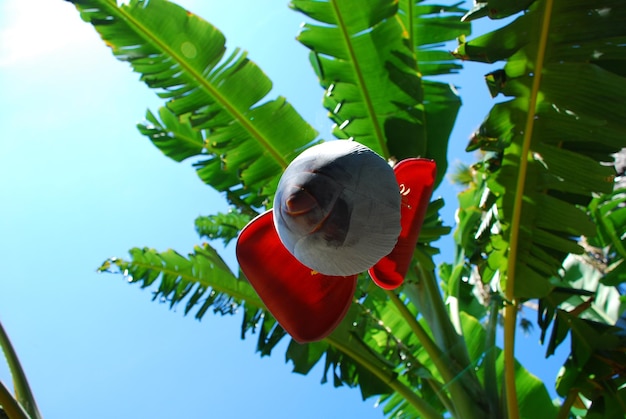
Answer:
[(307, 304), (416, 178)]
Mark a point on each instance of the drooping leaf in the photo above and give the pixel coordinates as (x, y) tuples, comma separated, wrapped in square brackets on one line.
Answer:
[(368, 346), (609, 244), (224, 226), (533, 398), (433, 227), (382, 352), (548, 151), (178, 140), (569, 134), (305, 357), (595, 368), (496, 9), (362, 58), (201, 281), (429, 27), (175, 138), (583, 290), (370, 60), (246, 142)]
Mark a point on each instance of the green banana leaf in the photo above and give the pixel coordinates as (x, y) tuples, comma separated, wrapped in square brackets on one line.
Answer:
[(543, 191), (555, 135), (222, 96), (376, 60), (371, 65)]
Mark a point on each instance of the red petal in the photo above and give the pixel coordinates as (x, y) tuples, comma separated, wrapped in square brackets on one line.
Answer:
[(308, 305), (416, 178)]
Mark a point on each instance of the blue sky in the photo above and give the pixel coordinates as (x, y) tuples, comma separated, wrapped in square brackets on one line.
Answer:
[(80, 184)]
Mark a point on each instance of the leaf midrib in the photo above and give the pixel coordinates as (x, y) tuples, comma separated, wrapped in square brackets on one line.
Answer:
[(514, 237), (202, 82), (360, 80), (206, 283)]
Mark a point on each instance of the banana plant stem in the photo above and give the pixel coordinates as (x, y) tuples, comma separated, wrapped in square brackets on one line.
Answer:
[(510, 310), (510, 317), (20, 384), (565, 408), (426, 297), (491, 380), (465, 406), (443, 397), (10, 406), (425, 409)]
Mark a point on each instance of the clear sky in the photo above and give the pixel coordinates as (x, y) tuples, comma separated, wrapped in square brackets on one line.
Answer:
[(79, 184)]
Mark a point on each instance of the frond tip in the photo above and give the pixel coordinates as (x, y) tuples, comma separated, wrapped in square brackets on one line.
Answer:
[(201, 281)]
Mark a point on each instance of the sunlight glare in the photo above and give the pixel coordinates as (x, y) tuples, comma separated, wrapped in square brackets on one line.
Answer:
[(37, 29)]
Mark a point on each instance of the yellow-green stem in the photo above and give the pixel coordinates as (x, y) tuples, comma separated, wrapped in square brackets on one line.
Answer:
[(425, 409), (489, 363), (510, 311), (510, 316), (20, 384), (462, 400), (567, 405), (10, 406), (443, 397), (435, 353)]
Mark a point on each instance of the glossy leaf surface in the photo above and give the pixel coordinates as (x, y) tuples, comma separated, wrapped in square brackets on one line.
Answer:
[(221, 95), (360, 54), (553, 140), (371, 58)]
